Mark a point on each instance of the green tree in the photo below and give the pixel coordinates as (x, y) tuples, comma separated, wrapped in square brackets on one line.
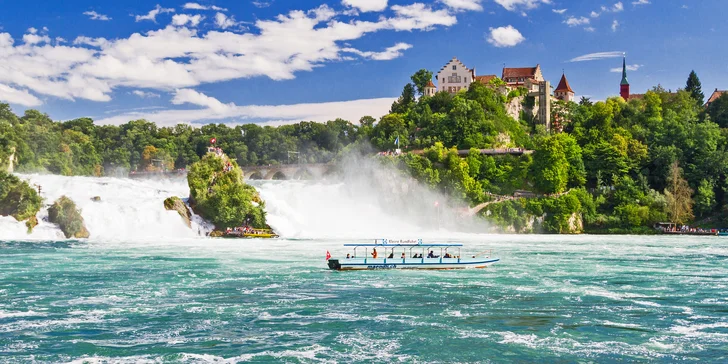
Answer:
[(550, 166), (405, 102), (420, 79), (718, 110), (694, 87), (704, 198)]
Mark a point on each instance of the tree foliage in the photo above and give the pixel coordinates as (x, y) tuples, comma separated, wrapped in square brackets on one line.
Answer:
[(694, 87)]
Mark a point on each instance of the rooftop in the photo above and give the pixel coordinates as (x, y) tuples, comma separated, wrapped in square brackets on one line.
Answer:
[(564, 85), (519, 72)]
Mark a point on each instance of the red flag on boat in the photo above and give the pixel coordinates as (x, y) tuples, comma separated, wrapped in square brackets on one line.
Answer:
[(328, 255), (213, 140)]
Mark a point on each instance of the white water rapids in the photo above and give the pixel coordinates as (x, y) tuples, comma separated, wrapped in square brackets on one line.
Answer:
[(132, 210)]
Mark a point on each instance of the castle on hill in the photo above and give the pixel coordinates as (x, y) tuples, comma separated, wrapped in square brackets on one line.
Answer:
[(455, 77)]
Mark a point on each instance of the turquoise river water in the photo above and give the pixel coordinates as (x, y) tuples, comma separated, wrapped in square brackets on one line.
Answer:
[(551, 299)]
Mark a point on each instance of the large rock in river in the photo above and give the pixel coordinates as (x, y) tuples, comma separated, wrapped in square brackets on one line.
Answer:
[(65, 214), (175, 203), (219, 195), (18, 199)]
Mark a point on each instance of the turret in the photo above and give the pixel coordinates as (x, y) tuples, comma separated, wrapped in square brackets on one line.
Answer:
[(624, 85), (430, 89), (563, 91)]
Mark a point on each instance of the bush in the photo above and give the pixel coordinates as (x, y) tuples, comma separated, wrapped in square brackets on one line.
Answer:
[(222, 197), (17, 198)]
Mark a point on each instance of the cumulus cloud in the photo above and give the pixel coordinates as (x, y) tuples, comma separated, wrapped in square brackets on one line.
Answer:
[(507, 36), (615, 25), (152, 14), (196, 6), (617, 7), (641, 2), (182, 19), (96, 16), (461, 5), (18, 97), (390, 53), (366, 5), (574, 21), (223, 21), (214, 110), (630, 67), (559, 11), (597, 56), (514, 5), (181, 57), (144, 94)]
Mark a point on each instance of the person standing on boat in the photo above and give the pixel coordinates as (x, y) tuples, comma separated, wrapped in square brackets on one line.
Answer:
[(374, 253)]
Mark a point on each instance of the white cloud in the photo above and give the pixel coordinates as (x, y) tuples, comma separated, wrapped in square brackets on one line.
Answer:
[(463, 5), (513, 5), (590, 29), (196, 6), (182, 19), (144, 94), (261, 4), (615, 25), (594, 14), (96, 16), (390, 53), (419, 16), (559, 11), (190, 96), (507, 36), (641, 2), (93, 42), (617, 7), (152, 14), (33, 38), (18, 97), (175, 57), (223, 21), (630, 67), (597, 56), (32, 30), (366, 5), (574, 21), (265, 114)]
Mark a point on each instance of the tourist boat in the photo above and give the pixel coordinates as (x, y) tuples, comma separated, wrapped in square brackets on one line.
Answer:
[(250, 233), (417, 255)]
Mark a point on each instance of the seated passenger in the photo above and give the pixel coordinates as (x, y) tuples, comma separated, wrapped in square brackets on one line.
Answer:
[(391, 255), (348, 256), (402, 255), (430, 254), (374, 253)]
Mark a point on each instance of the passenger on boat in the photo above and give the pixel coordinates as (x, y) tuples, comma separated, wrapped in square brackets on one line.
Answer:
[(391, 255), (348, 256), (431, 254), (402, 255), (374, 253)]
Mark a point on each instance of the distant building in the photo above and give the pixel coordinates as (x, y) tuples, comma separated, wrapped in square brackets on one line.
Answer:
[(522, 76), (716, 94), (454, 76), (563, 90), (624, 85), (430, 89)]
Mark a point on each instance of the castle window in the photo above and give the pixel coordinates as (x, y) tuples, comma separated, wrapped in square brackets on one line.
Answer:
[(466, 80), (454, 67)]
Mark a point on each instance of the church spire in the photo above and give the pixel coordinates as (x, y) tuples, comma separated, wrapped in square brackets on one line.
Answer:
[(624, 71)]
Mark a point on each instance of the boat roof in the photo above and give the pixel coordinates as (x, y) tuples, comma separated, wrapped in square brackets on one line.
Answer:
[(390, 245)]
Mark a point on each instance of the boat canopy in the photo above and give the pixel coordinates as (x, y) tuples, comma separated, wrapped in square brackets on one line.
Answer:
[(404, 243)]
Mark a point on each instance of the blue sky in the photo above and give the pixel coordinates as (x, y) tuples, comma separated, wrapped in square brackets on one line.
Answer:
[(276, 61)]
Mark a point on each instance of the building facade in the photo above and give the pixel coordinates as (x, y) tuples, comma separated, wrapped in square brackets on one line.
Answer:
[(624, 85), (454, 76), (563, 91)]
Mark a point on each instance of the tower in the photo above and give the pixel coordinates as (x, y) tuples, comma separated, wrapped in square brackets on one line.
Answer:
[(430, 89), (563, 90), (624, 85)]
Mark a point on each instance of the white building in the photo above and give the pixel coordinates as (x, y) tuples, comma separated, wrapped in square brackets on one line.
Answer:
[(455, 76)]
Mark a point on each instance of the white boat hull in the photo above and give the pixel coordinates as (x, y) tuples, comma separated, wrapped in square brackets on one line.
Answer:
[(410, 263)]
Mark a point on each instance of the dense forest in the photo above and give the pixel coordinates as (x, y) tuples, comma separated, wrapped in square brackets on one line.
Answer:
[(621, 165)]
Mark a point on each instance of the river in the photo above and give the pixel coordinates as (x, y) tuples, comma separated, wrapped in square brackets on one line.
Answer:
[(144, 288)]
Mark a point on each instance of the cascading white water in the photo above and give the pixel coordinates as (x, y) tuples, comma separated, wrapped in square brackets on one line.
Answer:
[(379, 205), (128, 209)]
